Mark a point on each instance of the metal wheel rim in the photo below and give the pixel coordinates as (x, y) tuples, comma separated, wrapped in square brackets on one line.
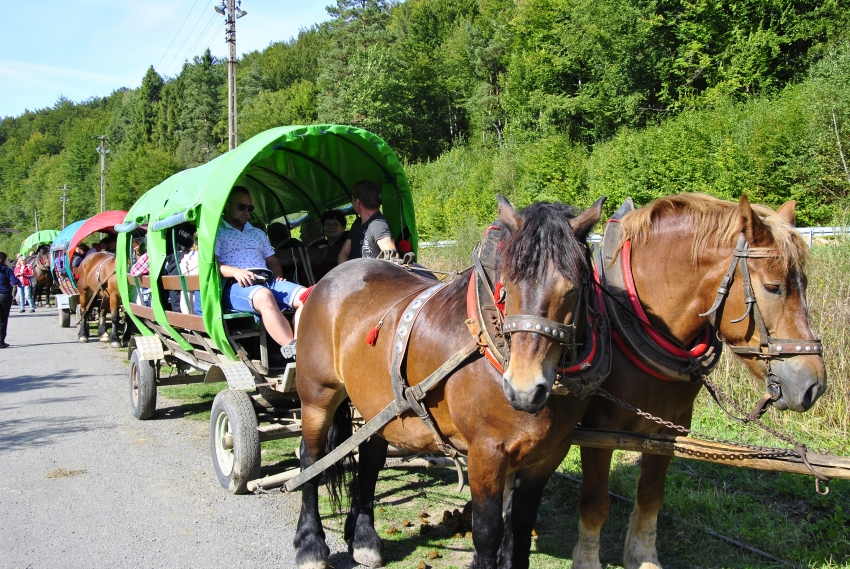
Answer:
[(223, 456), (134, 385)]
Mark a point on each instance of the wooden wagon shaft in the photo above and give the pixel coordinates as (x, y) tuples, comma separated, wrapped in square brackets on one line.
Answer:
[(684, 447)]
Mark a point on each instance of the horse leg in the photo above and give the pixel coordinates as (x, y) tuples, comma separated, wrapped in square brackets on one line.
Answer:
[(83, 334), (640, 551), (316, 420), (114, 339), (594, 506), (487, 477), (520, 516), (101, 321), (363, 541)]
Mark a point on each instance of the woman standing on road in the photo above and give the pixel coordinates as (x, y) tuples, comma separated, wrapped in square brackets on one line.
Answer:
[(7, 282), (25, 274)]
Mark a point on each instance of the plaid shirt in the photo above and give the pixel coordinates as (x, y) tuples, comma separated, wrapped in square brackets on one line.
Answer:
[(140, 267)]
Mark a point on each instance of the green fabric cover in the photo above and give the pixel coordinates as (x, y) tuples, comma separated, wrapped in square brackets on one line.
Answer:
[(288, 170), (44, 237)]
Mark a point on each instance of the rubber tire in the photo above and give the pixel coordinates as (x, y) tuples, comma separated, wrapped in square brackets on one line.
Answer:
[(65, 318), (142, 387), (233, 412)]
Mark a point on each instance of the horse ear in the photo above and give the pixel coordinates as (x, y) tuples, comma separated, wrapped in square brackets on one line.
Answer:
[(508, 215), (788, 212), (584, 223), (751, 224)]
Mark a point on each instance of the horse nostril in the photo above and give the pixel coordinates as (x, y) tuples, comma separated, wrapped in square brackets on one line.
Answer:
[(811, 395)]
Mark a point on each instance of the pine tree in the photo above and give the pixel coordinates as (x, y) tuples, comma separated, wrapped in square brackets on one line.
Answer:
[(144, 114)]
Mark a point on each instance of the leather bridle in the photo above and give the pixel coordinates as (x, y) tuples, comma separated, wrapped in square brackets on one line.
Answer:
[(769, 347)]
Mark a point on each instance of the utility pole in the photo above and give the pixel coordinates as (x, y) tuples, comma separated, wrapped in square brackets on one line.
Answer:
[(102, 149), (35, 214), (64, 200), (231, 10)]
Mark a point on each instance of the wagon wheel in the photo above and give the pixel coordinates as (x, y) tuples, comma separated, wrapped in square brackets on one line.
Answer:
[(234, 440), (142, 387)]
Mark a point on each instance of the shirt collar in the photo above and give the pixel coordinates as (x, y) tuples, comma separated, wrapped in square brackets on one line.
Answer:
[(227, 225)]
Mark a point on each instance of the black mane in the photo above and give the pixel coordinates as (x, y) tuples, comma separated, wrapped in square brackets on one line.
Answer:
[(545, 237)]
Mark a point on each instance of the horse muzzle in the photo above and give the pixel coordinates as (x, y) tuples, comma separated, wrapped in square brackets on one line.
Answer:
[(532, 399), (801, 382)]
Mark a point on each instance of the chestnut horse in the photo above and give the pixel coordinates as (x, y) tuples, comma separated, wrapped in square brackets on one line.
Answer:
[(514, 434), (680, 249), (97, 278), (40, 263)]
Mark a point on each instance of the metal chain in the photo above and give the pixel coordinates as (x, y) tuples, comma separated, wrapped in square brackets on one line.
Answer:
[(764, 452)]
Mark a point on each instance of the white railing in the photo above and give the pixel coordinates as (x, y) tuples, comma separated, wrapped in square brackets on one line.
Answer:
[(809, 233)]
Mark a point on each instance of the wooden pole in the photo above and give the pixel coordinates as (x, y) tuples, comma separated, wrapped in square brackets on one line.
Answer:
[(719, 453)]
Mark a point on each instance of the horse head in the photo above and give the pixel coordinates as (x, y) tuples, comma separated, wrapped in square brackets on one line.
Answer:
[(541, 263), (773, 335)]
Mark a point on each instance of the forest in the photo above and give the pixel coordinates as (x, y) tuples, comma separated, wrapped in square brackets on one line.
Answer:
[(535, 99)]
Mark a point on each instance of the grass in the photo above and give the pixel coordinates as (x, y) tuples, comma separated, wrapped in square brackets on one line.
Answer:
[(777, 513)]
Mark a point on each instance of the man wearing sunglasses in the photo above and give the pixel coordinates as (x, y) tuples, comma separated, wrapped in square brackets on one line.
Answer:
[(239, 246)]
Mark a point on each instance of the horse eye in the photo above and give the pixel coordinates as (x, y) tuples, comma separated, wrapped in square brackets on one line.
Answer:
[(773, 289)]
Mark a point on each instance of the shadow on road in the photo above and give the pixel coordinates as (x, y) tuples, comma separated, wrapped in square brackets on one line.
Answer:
[(38, 431), (30, 382)]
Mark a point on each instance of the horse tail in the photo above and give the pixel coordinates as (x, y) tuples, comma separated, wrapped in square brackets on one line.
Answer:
[(340, 474)]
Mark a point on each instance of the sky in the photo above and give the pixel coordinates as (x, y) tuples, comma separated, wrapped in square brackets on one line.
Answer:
[(84, 48)]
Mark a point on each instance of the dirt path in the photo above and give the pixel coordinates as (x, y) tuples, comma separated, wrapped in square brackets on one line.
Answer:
[(84, 484)]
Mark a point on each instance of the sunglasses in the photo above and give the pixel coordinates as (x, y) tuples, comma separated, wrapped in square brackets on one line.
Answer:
[(245, 207)]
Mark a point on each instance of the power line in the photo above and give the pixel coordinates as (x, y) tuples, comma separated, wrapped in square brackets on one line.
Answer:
[(212, 38), (177, 34), (202, 35), (200, 17)]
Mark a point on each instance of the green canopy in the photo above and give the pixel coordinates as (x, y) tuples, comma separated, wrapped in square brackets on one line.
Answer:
[(290, 171), (44, 237)]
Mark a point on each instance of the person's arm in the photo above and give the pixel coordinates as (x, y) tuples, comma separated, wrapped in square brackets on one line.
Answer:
[(243, 277), (13, 280), (273, 263), (344, 253), (387, 244)]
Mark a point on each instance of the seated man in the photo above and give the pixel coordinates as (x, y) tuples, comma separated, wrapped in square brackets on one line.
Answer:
[(370, 234), (240, 246)]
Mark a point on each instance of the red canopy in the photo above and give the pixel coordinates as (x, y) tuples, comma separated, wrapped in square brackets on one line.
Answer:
[(104, 222)]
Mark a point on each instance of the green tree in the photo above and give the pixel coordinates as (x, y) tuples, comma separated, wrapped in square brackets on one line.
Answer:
[(201, 85), (146, 109)]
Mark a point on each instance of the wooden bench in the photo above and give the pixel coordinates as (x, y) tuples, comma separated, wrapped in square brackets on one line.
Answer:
[(187, 321)]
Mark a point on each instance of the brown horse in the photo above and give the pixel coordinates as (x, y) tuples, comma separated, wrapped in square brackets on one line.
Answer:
[(680, 249), (512, 432), (40, 263), (97, 279)]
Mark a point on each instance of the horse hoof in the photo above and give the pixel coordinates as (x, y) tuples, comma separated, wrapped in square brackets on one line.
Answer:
[(104, 339), (368, 557), (84, 340), (114, 344)]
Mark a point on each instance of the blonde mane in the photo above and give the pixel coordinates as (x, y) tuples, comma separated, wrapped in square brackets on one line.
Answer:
[(715, 223)]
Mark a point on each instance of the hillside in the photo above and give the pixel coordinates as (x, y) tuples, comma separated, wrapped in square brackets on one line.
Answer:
[(536, 99)]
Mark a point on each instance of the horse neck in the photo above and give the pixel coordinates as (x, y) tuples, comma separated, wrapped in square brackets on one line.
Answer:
[(673, 289)]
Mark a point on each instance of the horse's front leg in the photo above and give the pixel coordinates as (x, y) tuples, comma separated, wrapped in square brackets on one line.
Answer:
[(83, 334), (101, 321), (316, 420), (487, 477), (593, 506), (114, 339), (364, 544), (640, 551)]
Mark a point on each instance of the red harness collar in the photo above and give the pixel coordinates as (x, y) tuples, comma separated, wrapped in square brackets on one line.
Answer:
[(698, 350)]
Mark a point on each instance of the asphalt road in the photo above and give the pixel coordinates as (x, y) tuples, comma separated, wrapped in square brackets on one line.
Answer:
[(84, 484)]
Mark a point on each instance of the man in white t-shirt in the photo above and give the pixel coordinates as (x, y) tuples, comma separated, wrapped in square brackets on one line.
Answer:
[(239, 246)]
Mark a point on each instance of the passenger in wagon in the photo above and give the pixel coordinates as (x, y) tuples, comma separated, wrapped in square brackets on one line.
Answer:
[(239, 247), (370, 234)]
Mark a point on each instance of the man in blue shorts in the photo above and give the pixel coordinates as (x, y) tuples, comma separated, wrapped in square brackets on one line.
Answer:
[(239, 246)]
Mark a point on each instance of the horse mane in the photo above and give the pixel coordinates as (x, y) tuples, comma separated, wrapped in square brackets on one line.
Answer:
[(545, 237), (715, 223)]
